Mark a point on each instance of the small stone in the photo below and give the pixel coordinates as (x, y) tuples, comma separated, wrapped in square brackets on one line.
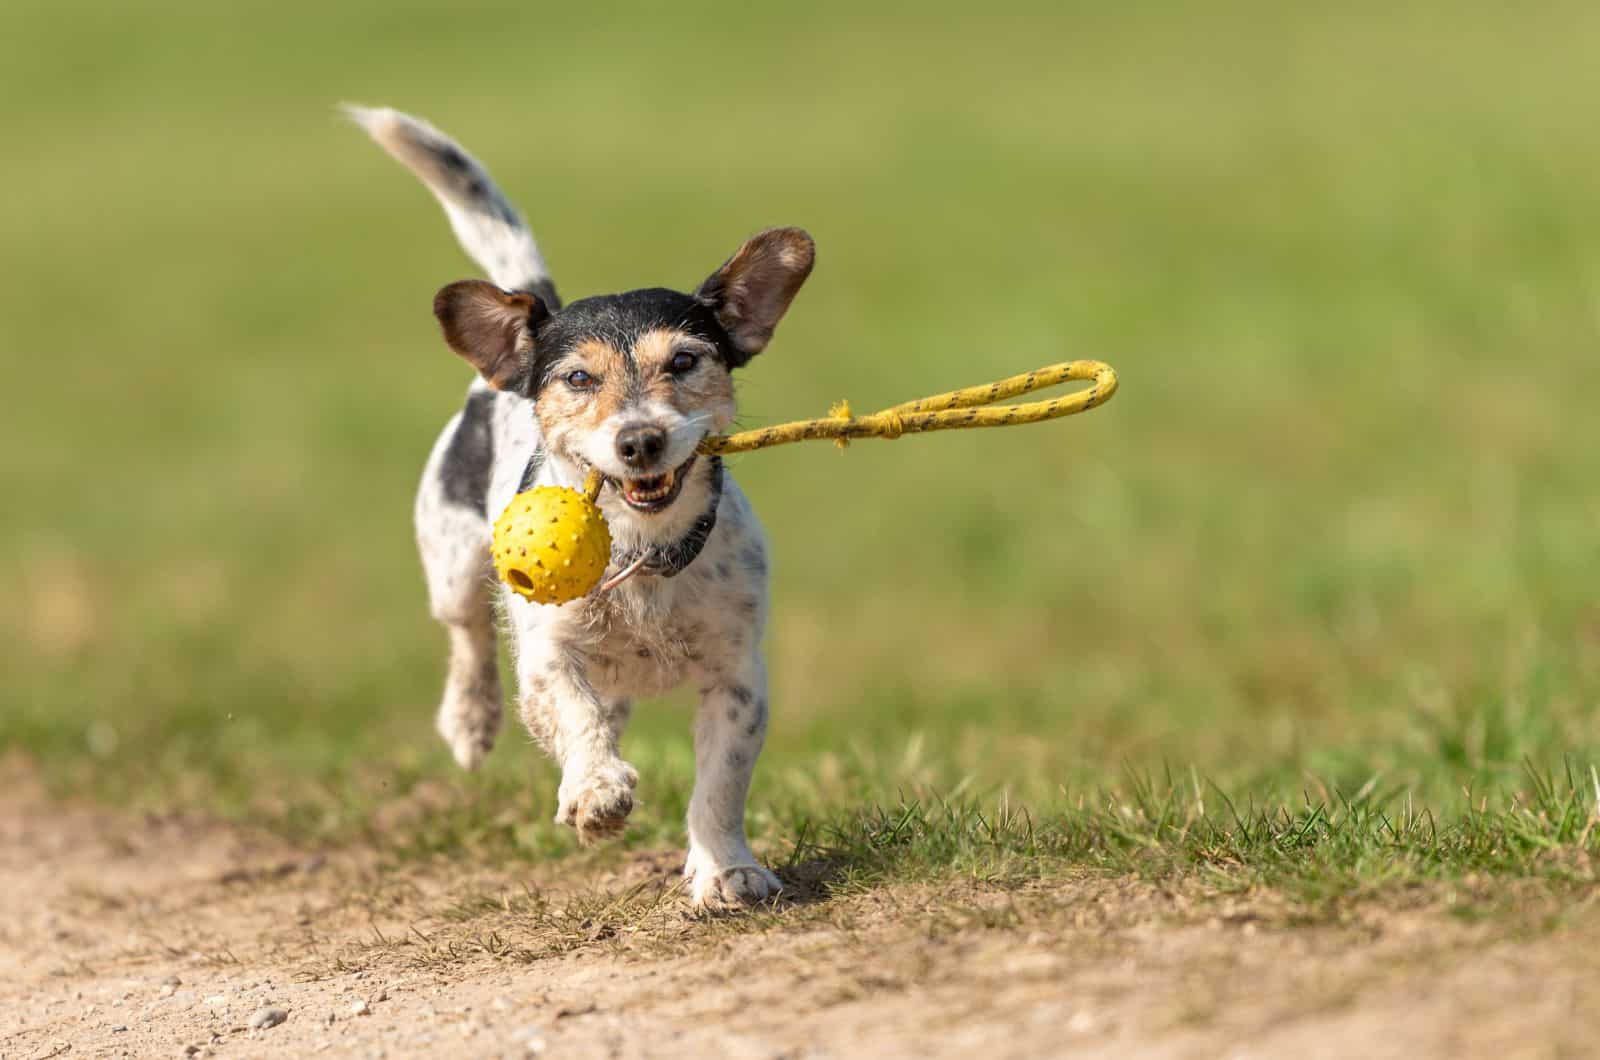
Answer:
[(267, 1017), (359, 1007), (381, 995), (119, 1028), (191, 1050)]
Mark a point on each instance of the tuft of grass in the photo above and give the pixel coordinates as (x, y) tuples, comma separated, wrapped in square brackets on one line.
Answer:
[(1320, 849)]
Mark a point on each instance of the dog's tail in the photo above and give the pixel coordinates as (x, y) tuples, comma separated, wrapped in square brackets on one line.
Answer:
[(490, 230)]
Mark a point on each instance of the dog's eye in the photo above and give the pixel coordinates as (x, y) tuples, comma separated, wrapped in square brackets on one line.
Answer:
[(682, 362), (581, 380)]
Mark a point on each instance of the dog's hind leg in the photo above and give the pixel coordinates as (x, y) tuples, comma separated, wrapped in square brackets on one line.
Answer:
[(453, 536)]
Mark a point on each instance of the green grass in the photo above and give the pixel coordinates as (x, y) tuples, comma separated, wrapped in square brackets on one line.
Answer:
[(1333, 545)]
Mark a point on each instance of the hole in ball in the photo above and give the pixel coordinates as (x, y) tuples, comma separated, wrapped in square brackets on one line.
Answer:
[(519, 579)]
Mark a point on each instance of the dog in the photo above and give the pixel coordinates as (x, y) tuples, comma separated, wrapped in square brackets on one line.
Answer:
[(628, 384)]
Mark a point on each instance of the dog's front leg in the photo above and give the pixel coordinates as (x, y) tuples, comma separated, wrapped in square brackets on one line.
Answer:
[(582, 730), (729, 731)]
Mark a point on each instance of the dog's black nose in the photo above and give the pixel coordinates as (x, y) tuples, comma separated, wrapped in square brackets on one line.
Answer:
[(641, 447)]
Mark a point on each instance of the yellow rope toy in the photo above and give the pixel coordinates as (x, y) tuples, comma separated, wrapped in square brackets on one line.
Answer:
[(552, 545)]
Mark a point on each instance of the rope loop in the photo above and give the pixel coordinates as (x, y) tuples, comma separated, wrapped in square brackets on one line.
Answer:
[(956, 410)]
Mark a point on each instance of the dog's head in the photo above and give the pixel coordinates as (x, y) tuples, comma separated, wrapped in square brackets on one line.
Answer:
[(630, 383)]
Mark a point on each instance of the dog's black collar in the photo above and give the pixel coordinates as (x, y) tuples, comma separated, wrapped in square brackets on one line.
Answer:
[(668, 560)]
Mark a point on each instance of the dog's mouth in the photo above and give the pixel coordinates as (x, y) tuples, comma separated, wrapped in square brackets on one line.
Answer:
[(655, 493)]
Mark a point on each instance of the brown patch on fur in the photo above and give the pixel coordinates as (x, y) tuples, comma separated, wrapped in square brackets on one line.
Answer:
[(706, 388), (492, 329), (561, 408)]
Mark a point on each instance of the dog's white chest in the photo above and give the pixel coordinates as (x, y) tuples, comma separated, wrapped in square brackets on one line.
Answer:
[(649, 639)]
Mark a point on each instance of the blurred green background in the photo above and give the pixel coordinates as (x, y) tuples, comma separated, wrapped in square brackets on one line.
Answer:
[(1340, 522)]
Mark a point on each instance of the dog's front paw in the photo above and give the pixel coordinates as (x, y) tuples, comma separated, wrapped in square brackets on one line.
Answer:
[(726, 890), (596, 801)]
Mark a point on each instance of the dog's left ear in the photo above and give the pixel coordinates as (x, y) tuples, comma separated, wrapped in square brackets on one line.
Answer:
[(753, 289)]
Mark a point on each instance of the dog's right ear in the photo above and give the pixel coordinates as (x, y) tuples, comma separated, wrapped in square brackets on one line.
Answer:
[(753, 289), (492, 329)]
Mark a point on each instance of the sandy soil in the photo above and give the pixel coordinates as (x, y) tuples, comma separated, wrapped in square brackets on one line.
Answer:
[(136, 936)]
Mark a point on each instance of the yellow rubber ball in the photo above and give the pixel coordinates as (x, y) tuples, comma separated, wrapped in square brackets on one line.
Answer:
[(551, 545)]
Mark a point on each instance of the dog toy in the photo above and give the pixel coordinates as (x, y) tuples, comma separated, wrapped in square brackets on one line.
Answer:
[(552, 545)]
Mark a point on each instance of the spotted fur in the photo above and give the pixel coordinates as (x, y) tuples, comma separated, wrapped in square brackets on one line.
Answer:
[(557, 388)]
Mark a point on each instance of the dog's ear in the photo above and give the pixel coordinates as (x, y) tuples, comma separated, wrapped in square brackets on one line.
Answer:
[(753, 289), (491, 328)]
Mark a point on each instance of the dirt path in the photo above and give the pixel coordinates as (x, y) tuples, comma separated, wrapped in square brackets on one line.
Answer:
[(140, 937)]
